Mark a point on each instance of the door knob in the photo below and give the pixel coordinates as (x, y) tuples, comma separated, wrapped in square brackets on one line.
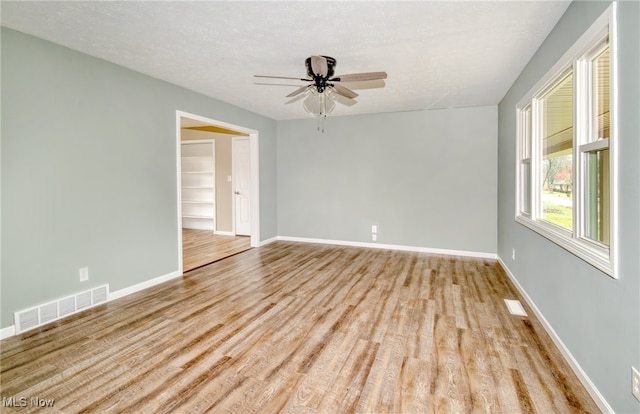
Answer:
[(236, 192)]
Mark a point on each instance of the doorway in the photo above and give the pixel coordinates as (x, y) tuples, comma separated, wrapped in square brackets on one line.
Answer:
[(200, 245)]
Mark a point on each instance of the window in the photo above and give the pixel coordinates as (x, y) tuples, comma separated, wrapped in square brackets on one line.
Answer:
[(556, 138), (565, 153), (595, 150)]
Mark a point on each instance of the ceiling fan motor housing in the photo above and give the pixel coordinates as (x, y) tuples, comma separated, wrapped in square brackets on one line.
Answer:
[(331, 64), (319, 80)]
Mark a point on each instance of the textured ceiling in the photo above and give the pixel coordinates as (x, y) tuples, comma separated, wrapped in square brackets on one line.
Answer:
[(437, 54)]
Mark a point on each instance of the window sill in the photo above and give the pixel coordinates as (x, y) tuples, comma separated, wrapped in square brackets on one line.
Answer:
[(596, 256)]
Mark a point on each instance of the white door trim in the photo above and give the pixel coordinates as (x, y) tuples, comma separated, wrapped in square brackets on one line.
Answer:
[(255, 175)]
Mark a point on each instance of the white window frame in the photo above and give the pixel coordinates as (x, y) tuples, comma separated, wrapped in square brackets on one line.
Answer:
[(524, 159), (576, 59)]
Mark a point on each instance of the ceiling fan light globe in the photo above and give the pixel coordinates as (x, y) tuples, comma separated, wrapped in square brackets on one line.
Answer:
[(319, 103), (329, 101), (311, 103)]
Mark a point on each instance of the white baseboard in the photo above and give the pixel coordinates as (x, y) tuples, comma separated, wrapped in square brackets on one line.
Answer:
[(7, 332), (573, 363), (265, 242), (447, 252), (225, 233), (143, 285)]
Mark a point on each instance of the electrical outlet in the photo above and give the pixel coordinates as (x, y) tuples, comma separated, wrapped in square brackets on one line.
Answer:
[(374, 229), (84, 274), (374, 237), (513, 254), (635, 379)]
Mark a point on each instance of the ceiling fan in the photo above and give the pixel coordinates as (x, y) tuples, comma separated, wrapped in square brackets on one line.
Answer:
[(322, 85)]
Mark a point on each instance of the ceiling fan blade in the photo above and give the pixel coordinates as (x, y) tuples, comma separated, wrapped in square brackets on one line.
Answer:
[(345, 101), (344, 91), (276, 84), (319, 65), (282, 77), (295, 99), (356, 86), (298, 91), (359, 77)]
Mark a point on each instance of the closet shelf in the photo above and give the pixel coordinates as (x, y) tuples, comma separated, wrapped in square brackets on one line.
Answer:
[(198, 184), (197, 202), (196, 216)]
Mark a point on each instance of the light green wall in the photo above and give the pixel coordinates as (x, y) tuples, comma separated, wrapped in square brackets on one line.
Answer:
[(89, 172), (596, 317), (426, 178)]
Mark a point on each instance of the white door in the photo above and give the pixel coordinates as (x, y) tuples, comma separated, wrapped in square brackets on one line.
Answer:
[(242, 185)]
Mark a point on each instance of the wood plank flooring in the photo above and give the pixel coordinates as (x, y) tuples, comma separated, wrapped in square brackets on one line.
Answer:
[(302, 328), (201, 247)]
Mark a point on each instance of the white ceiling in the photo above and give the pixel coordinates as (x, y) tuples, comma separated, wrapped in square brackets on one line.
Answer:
[(437, 54)]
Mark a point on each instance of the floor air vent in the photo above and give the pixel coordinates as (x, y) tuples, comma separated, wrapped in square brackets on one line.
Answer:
[(515, 307), (51, 311)]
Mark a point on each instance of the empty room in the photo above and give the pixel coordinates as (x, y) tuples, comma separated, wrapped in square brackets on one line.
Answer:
[(320, 207)]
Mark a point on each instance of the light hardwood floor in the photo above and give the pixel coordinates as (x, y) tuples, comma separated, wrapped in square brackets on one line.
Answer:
[(201, 247), (303, 328)]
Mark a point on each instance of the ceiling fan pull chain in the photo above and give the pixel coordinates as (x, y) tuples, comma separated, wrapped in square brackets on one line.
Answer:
[(323, 110)]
